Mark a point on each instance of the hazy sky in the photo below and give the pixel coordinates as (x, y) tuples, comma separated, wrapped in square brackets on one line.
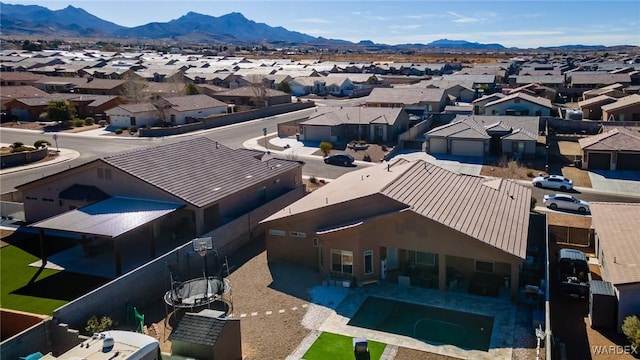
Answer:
[(516, 23)]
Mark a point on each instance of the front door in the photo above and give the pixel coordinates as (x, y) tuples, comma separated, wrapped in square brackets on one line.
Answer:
[(392, 258)]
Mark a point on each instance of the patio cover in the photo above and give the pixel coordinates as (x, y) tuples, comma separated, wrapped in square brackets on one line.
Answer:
[(109, 218)]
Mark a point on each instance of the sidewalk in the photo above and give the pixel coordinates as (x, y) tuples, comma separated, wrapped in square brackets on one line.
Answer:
[(63, 155)]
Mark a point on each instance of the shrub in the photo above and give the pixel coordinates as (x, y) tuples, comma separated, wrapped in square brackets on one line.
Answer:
[(102, 123), (367, 157), (534, 201), (313, 179), (631, 328), (78, 122), (118, 131), (95, 326), (21, 149), (41, 143), (362, 142), (326, 147), (384, 148), (89, 121), (530, 174), (133, 129), (17, 144)]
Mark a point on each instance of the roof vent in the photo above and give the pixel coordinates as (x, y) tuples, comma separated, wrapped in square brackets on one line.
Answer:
[(107, 344)]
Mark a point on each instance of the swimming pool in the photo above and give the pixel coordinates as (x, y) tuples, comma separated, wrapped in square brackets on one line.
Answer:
[(427, 323)]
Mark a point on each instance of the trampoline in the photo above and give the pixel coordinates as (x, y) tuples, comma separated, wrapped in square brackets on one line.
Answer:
[(197, 292)]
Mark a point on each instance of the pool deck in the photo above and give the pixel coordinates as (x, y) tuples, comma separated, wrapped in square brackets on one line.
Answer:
[(502, 310)]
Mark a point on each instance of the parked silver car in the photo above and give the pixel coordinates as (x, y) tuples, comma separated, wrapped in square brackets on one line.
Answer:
[(566, 202), (557, 182)]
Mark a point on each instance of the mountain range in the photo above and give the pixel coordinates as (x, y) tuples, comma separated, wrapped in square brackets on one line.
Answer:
[(233, 28)]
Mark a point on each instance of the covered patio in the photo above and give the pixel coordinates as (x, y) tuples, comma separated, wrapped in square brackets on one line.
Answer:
[(110, 229)]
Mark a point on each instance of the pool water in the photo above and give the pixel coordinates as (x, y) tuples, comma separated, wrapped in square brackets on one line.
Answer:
[(427, 323)]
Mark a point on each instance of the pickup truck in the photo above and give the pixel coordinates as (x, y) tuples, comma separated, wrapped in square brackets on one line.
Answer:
[(573, 272)]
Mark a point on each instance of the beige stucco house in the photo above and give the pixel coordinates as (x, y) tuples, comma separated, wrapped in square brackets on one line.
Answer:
[(407, 222)]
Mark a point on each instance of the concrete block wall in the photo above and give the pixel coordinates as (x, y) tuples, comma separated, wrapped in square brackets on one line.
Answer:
[(147, 284)]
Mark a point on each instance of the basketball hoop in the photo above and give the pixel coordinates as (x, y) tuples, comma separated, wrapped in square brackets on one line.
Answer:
[(203, 250)]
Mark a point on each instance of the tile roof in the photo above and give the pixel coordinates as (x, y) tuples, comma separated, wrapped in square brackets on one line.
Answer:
[(521, 134), (592, 77), (250, 91), (540, 79), (466, 128), (199, 171), (620, 139), (532, 99), (198, 329), (21, 91), (494, 211), (489, 98), (332, 116), (602, 99), (138, 107), (193, 102), (406, 96), (617, 227), (622, 103)]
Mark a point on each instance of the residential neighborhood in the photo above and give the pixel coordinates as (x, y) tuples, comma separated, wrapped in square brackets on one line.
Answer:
[(255, 204)]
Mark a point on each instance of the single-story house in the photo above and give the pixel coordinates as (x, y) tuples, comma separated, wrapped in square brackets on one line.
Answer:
[(615, 149), (413, 100), (135, 114), (613, 90), (207, 335), (552, 81), (479, 104), (595, 79), (473, 135), (624, 109), (617, 247), (13, 78), (335, 124), (592, 107), (305, 85), (399, 222), (158, 195), (253, 96), (519, 104), (30, 108), (19, 91), (183, 109)]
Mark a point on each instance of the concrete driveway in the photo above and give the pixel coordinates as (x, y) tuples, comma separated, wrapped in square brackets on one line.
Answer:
[(460, 164), (627, 182)]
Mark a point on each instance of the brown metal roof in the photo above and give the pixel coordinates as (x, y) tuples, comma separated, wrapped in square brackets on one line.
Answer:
[(199, 171), (616, 225), (494, 211)]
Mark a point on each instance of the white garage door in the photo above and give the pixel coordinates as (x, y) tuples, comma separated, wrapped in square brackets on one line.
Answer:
[(317, 133), (437, 146), (467, 148)]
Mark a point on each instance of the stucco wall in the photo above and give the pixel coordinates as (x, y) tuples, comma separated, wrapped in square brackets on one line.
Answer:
[(628, 301), (403, 230), (24, 157)]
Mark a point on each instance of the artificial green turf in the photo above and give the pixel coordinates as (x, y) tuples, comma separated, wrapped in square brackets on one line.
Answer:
[(15, 275), (334, 346)]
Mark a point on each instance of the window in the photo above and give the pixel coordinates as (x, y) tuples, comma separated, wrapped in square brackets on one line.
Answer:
[(132, 119), (517, 147), (368, 262), (277, 232), (31, 198), (423, 258), (342, 261), (316, 242), (484, 266), (297, 234)]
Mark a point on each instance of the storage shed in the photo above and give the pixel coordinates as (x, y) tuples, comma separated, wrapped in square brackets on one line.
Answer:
[(602, 304)]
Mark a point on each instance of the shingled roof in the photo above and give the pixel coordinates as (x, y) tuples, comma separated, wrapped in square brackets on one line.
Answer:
[(198, 329), (199, 171), (614, 139)]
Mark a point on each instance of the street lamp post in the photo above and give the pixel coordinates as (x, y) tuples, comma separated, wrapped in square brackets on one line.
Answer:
[(55, 138)]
